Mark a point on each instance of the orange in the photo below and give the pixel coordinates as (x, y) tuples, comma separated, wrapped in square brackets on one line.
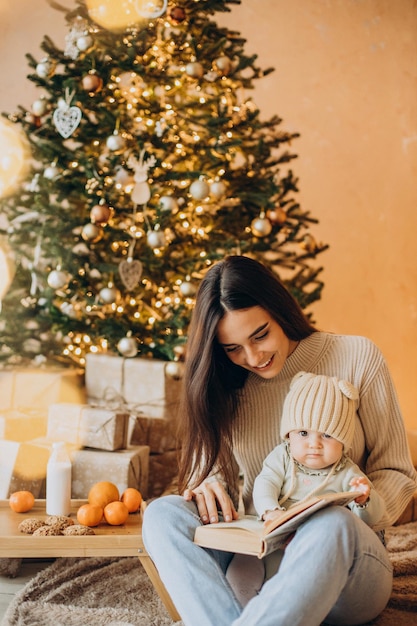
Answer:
[(116, 513), (103, 493), (132, 499), (21, 501), (89, 514)]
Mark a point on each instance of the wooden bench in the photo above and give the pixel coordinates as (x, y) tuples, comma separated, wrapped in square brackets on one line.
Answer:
[(107, 541)]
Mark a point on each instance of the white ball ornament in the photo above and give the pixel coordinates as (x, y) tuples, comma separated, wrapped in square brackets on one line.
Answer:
[(168, 203), (58, 279), (217, 189), (128, 347), (115, 143), (188, 289), (155, 238), (109, 294), (261, 227), (39, 107), (174, 370), (51, 172), (84, 42), (45, 68), (199, 189)]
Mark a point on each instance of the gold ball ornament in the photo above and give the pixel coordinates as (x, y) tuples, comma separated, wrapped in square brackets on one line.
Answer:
[(179, 352), (261, 227), (223, 65), (92, 233), (309, 244), (194, 70), (128, 347), (100, 213), (92, 82), (277, 216), (177, 15)]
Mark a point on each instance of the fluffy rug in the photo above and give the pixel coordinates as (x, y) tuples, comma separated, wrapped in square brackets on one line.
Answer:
[(117, 592)]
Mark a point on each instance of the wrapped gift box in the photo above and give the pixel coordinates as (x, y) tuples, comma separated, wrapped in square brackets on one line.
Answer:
[(88, 426), (140, 384), (22, 467), (124, 468), (22, 425), (38, 388), (163, 470), (157, 433)]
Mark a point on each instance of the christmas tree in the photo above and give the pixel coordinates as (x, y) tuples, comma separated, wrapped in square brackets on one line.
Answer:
[(149, 162)]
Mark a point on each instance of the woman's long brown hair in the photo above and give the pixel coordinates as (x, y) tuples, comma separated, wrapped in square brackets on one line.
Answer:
[(211, 380)]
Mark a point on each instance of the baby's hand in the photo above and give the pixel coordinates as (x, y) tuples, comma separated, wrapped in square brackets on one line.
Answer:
[(361, 484)]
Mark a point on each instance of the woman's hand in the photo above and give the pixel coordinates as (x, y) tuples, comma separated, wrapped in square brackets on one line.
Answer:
[(361, 484), (210, 497)]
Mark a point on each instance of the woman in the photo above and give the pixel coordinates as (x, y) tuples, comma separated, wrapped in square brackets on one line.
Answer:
[(248, 338)]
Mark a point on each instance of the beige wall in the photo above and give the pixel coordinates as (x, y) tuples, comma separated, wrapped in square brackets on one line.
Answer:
[(346, 79)]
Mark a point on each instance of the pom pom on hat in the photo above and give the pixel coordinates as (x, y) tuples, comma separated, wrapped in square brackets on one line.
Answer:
[(321, 403)]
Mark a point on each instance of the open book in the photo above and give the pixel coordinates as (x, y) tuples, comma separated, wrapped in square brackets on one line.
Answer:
[(249, 535)]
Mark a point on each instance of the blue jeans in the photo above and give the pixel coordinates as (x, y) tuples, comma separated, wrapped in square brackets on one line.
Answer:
[(335, 570)]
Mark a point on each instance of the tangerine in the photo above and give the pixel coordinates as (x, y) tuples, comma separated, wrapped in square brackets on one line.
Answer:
[(102, 493), (132, 498), (89, 514), (21, 501), (116, 513)]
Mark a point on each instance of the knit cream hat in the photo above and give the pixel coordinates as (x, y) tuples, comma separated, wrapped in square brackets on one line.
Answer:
[(322, 403)]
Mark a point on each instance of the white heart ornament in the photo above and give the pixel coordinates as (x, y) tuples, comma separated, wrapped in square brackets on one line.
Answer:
[(130, 272), (66, 120)]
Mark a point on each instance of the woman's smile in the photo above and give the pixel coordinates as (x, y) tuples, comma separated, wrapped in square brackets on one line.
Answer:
[(252, 339)]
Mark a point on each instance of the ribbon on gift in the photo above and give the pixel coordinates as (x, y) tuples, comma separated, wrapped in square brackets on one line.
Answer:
[(84, 431), (123, 391)]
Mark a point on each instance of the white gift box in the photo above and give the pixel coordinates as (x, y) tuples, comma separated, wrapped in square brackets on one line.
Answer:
[(87, 426)]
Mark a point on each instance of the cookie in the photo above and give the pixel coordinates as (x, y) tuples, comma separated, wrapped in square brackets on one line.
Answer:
[(78, 529), (30, 524), (49, 529), (60, 521)]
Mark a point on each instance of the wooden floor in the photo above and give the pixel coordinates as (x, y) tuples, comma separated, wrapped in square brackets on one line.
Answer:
[(10, 586)]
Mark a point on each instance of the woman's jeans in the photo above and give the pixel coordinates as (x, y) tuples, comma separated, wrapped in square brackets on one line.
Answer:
[(335, 570)]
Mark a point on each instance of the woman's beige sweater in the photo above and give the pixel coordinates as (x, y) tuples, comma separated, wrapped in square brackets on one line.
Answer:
[(380, 445)]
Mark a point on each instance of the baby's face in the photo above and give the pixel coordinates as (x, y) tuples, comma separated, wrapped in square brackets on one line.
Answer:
[(313, 449)]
